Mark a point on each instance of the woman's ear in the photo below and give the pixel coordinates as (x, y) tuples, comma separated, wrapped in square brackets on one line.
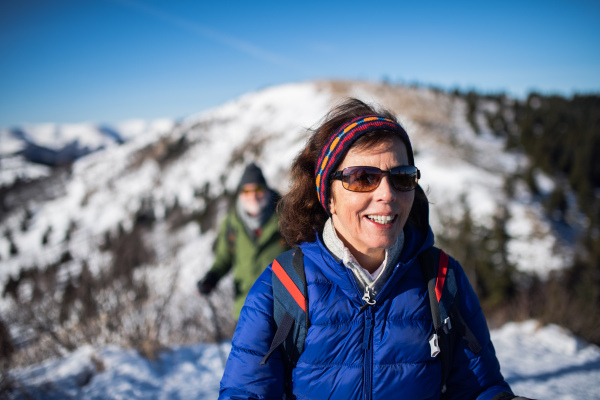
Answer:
[(331, 206)]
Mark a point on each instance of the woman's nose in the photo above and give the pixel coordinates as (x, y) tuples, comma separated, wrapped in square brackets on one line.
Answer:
[(385, 191)]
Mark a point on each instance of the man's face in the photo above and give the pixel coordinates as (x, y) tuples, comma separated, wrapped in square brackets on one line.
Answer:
[(253, 197)]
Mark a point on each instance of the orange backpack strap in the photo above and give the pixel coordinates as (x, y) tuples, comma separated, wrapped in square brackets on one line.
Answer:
[(290, 306)]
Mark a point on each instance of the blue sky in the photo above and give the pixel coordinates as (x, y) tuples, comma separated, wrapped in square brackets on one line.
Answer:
[(111, 60)]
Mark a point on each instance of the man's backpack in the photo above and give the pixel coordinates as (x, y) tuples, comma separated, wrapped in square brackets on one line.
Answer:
[(290, 309)]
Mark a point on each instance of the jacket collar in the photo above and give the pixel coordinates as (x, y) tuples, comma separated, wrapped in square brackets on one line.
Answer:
[(317, 253)]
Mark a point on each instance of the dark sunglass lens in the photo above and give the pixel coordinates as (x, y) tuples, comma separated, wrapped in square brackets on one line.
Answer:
[(404, 182), (404, 178), (361, 179)]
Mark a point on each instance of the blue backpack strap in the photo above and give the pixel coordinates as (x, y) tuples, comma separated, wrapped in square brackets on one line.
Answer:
[(428, 261), (290, 306), (466, 332)]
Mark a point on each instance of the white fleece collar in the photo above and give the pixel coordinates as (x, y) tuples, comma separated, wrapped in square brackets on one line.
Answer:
[(363, 277)]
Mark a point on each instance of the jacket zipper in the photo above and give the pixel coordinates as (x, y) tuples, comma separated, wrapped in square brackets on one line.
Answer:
[(368, 302), (369, 305), (368, 349)]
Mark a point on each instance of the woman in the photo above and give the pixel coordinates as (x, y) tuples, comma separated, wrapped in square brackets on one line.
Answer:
[(354, 211)]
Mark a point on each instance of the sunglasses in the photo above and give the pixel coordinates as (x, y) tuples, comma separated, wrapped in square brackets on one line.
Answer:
[(367, 179), (257, 190)]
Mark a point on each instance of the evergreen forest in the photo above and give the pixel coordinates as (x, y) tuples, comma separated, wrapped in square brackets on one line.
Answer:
[(561, 137)]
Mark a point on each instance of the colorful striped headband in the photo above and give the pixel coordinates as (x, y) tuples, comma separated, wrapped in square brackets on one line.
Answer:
[(341, 141)]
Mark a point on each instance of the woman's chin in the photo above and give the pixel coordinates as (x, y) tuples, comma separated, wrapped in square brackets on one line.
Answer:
[(384, 235), (379, 243)]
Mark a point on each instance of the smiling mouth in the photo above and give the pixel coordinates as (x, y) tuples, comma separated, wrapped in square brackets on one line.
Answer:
[(382, 219)]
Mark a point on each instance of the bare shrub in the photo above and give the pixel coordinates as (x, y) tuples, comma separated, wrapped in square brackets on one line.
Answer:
[(7, 349), (57, 309)]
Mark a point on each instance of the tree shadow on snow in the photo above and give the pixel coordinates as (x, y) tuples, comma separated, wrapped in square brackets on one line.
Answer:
[(544, 376)]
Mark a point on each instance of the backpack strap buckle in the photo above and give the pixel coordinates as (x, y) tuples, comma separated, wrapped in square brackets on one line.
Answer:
[(447, 325), (434, 345)]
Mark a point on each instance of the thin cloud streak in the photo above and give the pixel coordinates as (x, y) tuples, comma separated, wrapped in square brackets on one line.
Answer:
[(212, 34)]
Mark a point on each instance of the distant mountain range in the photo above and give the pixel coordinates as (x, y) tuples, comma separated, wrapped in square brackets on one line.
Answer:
[(59, 144)]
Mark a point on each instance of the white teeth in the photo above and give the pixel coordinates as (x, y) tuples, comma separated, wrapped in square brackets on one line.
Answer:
[(381, 219)]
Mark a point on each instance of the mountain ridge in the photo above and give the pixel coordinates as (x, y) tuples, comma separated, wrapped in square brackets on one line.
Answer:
[(141, 217)]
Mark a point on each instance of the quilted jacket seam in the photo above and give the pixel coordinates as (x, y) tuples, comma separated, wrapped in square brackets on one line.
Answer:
[(260, 311), (390, 365), (247, 351), (343, 323)]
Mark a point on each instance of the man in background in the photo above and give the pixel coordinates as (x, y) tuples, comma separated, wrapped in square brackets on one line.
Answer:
[(248, 240)]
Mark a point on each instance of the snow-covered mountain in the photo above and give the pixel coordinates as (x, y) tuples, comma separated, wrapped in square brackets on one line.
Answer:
[(26, 151), (207, 151), (156, 195)]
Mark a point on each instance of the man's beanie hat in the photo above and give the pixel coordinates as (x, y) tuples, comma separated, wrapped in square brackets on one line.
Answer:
[(252, 174)]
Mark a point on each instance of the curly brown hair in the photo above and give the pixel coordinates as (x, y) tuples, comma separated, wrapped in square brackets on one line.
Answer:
[(301, 215)]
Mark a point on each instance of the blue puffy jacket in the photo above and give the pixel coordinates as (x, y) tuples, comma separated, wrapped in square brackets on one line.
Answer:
[(379, 353)]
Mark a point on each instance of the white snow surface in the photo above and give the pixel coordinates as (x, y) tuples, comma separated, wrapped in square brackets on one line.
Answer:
[(547, 362), (538, 362), (14, 167)]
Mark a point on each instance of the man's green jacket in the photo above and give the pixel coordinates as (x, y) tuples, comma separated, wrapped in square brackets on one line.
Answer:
[(236, 248)]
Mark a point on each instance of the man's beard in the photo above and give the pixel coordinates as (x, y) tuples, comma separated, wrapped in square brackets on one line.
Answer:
[(254, 208)]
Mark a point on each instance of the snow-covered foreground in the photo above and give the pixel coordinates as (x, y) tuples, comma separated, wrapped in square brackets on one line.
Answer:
[(547, 362), (539, 362)]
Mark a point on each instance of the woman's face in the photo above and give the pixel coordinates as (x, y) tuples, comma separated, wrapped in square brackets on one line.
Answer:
[(354, 214)]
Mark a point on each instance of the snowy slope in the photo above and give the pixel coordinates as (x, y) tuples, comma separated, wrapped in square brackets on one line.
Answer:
[(538, 362), (61, 143), (194, 163), (107, 187), (547, 362)]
